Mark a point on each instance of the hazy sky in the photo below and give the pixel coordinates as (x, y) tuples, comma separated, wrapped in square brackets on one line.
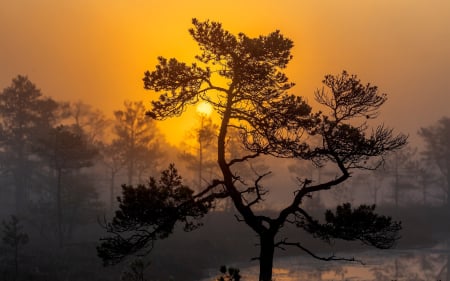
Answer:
[(98, 50)]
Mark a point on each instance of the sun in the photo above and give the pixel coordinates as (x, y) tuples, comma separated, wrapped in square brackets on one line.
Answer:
[(204, 108)]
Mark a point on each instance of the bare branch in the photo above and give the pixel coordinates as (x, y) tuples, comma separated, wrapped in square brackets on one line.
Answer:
[(210, 187), (239, 219), (329, 258), (242, 159), (259, 192)]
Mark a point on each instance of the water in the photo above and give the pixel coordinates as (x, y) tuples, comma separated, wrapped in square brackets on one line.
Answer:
[(400, 265)]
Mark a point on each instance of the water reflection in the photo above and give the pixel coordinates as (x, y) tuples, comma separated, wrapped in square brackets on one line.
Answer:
[(411, 265)]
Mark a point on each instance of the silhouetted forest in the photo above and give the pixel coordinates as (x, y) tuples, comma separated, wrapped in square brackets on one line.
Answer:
[(63, 163)]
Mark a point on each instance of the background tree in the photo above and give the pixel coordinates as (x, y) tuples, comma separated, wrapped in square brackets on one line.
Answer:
[(81, 203), (437, 150), (136, 135), (271, 122), (206, 134), (65, 151), (135, 271), (90, 122), (400, 166), (15, 238), (201, 157), (373, 179), (25, 115), (112, 156), (229, 274), (426, 179), (415, 173)]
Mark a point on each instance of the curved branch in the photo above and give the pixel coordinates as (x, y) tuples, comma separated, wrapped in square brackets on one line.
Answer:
[(305, 190), (259, 192), (329, 258), (243, 159), (210, 187)]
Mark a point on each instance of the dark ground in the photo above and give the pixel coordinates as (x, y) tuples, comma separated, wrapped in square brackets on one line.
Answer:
[(184, 256)]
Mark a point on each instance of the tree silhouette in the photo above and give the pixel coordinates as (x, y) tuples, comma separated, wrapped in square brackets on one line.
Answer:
[(64, 150), (25, 115), (148, 213), (229, 274), (136, 134), (202, 157), (271, 122), (113, 158), (14, 237), (135, 272), (437, 150), (89, 121)]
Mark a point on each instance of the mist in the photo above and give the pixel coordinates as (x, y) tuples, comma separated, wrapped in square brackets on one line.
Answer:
[(98, 51), (65, 189), (85, 61)]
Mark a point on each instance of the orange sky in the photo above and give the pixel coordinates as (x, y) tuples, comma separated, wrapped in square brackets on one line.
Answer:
[(97, 51)]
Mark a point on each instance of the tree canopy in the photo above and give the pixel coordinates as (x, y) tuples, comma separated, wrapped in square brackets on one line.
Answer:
[(136, 136), (25, 116), (148, 213), (243, 79), (437, 150)]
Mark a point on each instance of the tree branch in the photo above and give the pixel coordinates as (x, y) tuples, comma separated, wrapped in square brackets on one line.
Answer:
[(244, 158), (210, 187), (259, 192), (329, 258)]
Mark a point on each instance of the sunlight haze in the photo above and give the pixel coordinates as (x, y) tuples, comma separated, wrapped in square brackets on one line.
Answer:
[(98, 51), (351, 176)]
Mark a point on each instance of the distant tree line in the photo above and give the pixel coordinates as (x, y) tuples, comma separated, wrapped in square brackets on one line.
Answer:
[(57, 157), (414, 175)]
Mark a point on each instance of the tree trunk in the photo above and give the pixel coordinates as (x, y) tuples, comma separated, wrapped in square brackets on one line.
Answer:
[(18, 192), (59, 207), (200, 152), (396, 191), (111, 191), (266, 257), (448, 190), (200, 163), (130, 173), (447, 278), (423, 183), (16, 255), (20, 180)]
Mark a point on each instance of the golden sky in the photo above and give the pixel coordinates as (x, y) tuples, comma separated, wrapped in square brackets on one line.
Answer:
[(98, 50)]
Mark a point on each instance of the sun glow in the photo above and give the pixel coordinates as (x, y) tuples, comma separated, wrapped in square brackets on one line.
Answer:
[(204, 108)]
